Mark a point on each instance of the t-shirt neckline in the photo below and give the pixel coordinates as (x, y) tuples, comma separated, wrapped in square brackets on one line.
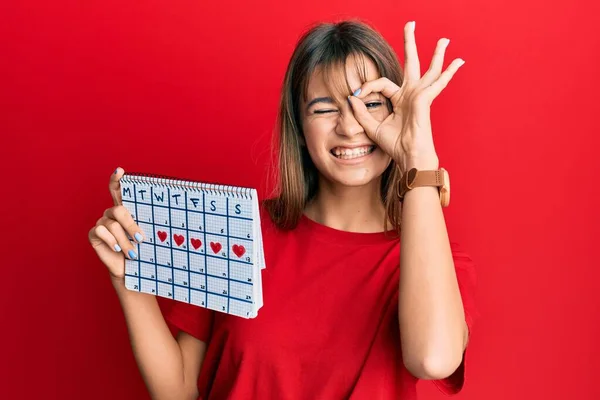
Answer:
[(337, 236)]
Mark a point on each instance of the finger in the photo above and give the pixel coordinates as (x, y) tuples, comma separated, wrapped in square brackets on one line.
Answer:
[(381, 85), (124, 218), (118, 233), (100, 235), (440, 84), (437, 62), (362, 115), (412, 68), (114, 186)]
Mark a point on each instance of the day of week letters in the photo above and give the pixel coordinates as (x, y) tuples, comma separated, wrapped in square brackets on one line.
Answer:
[(159, 198), (175, 196)]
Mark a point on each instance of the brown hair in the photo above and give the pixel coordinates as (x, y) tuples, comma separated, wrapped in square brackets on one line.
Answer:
[(326, 46)]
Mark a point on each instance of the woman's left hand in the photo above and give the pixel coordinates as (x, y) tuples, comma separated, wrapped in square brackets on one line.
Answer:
[(405, 135)]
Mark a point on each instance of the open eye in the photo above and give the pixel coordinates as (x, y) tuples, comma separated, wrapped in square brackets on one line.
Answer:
[(373, 104)]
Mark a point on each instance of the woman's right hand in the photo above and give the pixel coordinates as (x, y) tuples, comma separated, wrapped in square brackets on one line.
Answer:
[(109, 236)]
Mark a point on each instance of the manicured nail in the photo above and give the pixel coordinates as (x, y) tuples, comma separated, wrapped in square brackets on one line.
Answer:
[(117, 248), (357, 92), (132, 254), (116, 170), (138, 237)]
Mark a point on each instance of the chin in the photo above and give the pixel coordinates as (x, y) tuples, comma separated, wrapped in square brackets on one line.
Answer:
[(354, 179)]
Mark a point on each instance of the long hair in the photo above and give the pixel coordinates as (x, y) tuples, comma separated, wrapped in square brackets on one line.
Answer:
[(326, 46)]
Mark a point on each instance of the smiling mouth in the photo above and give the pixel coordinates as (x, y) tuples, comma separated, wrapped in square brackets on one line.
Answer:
[(345, 153)]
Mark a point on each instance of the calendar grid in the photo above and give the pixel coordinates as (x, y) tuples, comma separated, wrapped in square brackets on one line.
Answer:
[(153, 239), (171, 244), (233, 217), (196, 290), (187, 241), (139, 262), (226, 279), (205, 251), (228, 256), (208, 213)]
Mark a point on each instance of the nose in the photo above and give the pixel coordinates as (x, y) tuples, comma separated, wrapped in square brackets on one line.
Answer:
[(348, 125)]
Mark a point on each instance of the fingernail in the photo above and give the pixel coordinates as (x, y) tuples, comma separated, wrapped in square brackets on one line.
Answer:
[(357, 92), (117, 248), (116, 170), (461, 62), (138, 237), (132, 254)]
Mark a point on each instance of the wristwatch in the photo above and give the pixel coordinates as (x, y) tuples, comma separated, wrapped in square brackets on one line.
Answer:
[(414, 178)]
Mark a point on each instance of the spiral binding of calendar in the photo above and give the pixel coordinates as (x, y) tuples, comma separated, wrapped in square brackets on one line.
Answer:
[(177, 183)]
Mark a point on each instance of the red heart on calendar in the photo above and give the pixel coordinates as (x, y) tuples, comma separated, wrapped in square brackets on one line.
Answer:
[(178, 239), (196, 243), (162, 235), (216, 247), (239, 250)]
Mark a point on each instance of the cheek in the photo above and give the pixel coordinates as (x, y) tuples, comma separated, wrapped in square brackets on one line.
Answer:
[(316, 134), (315, 148)]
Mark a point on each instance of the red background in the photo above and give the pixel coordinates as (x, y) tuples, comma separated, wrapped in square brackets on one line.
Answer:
[(191, 90)]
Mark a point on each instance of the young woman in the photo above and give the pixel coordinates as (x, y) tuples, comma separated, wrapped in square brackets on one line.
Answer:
[(348, 312)]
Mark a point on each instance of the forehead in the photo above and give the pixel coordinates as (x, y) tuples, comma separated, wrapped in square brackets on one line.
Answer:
[(340, 79)]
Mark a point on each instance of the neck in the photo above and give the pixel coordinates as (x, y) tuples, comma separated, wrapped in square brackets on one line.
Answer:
[(352, 209)]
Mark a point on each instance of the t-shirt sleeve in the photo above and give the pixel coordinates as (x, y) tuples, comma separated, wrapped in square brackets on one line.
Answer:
[(194, 320), (466, 276)]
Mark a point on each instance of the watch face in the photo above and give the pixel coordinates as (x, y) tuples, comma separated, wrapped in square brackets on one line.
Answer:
[(446, 180), (445, 189)]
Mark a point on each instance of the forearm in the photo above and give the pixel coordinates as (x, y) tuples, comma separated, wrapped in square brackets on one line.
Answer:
[(430, 308), (156, 351)]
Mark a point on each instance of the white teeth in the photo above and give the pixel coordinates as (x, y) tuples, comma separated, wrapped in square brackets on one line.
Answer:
[(344, 153)]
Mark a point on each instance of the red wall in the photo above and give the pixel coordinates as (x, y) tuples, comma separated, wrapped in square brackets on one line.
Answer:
[(184, 89)]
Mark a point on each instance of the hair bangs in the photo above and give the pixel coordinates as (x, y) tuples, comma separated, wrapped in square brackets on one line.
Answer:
[(333, 67), (336, 76)]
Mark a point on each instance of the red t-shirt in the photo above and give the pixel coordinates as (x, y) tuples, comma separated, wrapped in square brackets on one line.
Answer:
[(328, 328)]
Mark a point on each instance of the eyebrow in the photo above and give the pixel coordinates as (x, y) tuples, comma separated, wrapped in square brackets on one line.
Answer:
[(316, 100)]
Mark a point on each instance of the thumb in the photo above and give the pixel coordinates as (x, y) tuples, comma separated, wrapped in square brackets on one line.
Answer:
[(362, 115)]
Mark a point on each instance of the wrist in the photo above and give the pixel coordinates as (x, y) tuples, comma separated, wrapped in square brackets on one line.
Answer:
[(420, 162), (118, 283), (423, 163)]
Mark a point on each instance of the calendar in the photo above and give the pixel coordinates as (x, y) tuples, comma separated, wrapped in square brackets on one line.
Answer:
[(203, 243)]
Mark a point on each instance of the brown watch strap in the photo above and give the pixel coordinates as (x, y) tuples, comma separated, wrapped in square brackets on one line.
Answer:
[(429, 178), (424, 178)]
